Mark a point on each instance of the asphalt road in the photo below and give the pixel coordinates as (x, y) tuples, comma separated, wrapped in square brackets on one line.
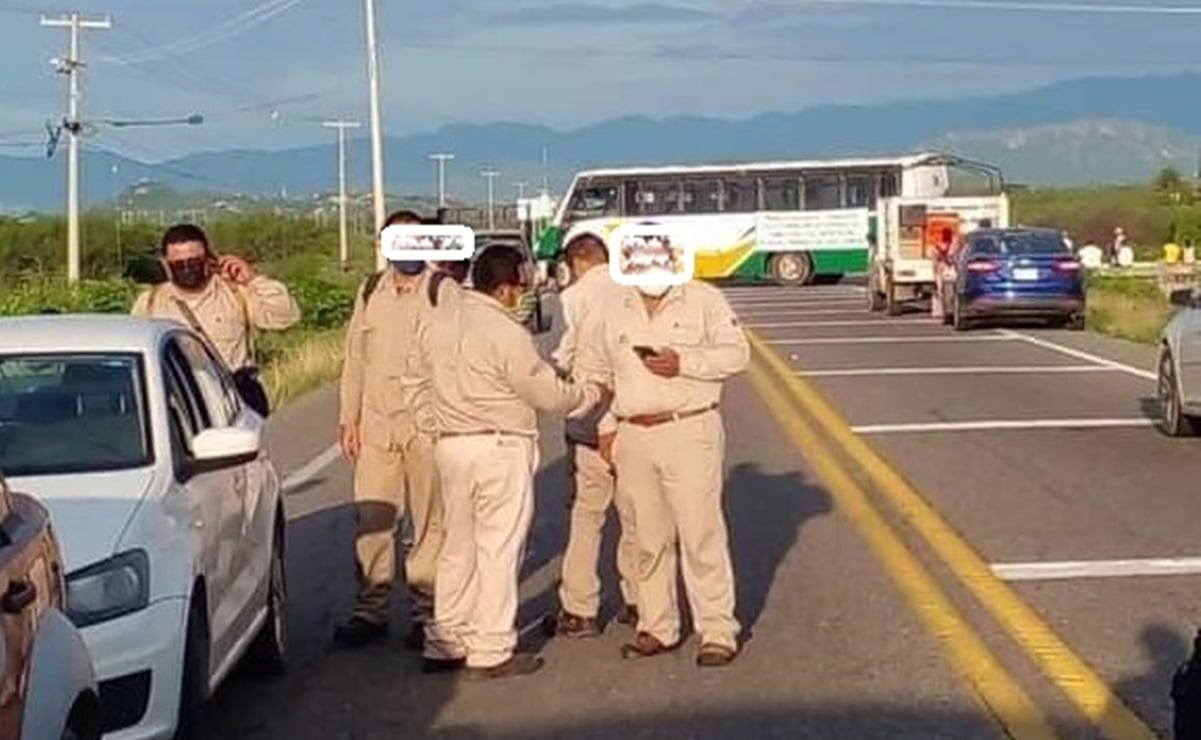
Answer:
[(866, 619)]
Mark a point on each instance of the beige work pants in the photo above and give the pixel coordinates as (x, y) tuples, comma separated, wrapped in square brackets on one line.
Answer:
[(488, 481), (672, 474), (388, 485), (593, 489)]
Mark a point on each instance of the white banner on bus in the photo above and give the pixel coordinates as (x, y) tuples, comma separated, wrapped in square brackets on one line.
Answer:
[(786, 231)]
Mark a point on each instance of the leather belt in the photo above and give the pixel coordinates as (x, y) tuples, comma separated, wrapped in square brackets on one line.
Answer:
[(652, 420), (485, 433)]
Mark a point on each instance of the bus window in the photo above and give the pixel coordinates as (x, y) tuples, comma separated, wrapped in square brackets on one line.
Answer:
[(741, 195), (822, 193), (861, 192), (781, 193), (652, 197), (593, 200), (701, 196), (890, 185)]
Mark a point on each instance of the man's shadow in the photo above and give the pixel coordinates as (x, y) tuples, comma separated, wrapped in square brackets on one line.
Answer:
[(1148, 694)]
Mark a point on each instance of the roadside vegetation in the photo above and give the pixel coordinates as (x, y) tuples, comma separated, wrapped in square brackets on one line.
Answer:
[(303, 252)]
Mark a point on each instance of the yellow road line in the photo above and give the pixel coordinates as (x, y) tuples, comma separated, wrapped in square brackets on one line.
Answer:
[(1091, 695), (998, 694)]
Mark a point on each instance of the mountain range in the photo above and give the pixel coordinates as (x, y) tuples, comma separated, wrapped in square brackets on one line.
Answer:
[(1084, 131)]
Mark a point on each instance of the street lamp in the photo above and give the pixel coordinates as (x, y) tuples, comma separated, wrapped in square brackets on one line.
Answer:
[(442, 159), (491, 176)]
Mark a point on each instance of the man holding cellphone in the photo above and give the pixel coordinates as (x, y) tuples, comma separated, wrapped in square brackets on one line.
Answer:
[(592, 481), (668, 350), (222, 297)]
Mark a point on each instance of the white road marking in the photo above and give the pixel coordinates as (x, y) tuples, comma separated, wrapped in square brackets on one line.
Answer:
[(849, 322), (895, 340), (311, 469), (798, 303), (767, 313), (1097, 569), (955, 370), (1081, 355), (999, 424)]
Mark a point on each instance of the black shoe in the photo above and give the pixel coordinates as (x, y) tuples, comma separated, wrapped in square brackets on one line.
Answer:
[(628, 616), (715, 656), (415, 640), (521, 664), (357, 632), (442, 665)]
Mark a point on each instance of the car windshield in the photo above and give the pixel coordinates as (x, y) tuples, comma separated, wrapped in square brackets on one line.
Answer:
[(72, 413), (1033, 244)]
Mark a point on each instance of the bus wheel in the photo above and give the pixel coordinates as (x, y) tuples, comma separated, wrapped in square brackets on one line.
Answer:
[(791, 268)]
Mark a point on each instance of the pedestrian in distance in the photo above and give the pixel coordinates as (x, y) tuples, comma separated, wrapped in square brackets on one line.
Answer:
[(221, 297), (489, 383), (669, 350), (386, 430), (591, 476)]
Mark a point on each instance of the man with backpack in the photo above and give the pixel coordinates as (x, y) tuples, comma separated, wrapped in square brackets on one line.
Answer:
[(386, 430)]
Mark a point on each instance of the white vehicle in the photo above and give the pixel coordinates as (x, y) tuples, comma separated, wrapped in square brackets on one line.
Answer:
[(167, 508), (1179, 367), (901, 262)]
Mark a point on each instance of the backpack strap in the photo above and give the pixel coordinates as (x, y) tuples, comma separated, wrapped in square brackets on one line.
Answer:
[(369, 286), (435, 283)]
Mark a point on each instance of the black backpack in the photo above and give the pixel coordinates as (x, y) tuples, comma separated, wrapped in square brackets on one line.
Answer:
[(1186, 696), (374, 278)]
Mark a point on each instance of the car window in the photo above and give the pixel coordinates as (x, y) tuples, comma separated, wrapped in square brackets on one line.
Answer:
[(63, 413), (184, 394), (213, 379), (1034, 243), (984, 246)]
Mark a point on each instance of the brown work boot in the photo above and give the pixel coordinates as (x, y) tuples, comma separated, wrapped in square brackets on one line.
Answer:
[(645, 645), (712, 655), (565, 624), (628, 616), (521, 664)]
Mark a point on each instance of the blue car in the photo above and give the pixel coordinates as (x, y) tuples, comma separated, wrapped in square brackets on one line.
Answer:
[(1016, 273)]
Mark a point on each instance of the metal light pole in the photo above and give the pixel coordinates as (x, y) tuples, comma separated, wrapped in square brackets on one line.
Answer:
[(74, 127), (343, 238), (377, 144), (442, 158), (491, 175), (520, 189)]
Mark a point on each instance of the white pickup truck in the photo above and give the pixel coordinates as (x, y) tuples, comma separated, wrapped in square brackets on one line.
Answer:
[(901, 256)]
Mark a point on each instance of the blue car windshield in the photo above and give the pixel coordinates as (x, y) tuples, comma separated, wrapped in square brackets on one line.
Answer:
[(1033, 244)]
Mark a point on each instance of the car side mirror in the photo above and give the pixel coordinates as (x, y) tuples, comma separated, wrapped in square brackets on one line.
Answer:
[(1182, 298), (223, 447)]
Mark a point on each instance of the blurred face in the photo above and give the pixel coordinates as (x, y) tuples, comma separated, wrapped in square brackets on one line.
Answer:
[(187, 265)]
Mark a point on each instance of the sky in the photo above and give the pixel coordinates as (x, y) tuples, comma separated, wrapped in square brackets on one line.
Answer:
[(265, 73)]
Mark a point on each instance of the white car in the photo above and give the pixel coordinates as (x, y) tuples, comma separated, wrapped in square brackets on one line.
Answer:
[(1179, 367), (167, 507)]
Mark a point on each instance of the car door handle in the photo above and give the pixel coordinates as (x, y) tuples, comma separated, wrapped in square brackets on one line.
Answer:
[(18, 597)]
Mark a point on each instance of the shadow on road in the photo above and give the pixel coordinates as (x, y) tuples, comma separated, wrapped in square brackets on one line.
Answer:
[(1148, 694)]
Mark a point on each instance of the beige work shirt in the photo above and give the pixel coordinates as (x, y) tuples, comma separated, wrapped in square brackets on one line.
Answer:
[(487, 373), (226, 311), (697, 322), (580, 353), (386, 386)]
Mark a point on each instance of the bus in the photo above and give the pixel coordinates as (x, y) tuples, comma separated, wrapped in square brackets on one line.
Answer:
[(788, 222)]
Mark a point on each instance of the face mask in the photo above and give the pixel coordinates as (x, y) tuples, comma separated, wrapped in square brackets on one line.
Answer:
[(408, 267), (654, 291), (189, 274)]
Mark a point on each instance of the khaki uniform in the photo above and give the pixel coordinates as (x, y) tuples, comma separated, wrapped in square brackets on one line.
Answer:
[(672, 470), (226, 311), (593, 484), (488, 381), (386, 391)]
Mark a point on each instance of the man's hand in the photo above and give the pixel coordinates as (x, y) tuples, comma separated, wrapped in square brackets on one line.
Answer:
[(605, 393), (348, 440), (235, 268), (665, 363), (604, 446)]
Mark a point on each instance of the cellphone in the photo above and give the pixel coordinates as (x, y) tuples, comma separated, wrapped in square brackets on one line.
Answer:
[(644, 351)]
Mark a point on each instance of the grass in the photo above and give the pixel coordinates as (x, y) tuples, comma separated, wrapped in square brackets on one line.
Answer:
[(296, 363), (1128, 308)]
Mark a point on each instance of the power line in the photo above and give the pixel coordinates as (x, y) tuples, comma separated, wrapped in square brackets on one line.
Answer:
[(223, 31), (1021, 5)]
